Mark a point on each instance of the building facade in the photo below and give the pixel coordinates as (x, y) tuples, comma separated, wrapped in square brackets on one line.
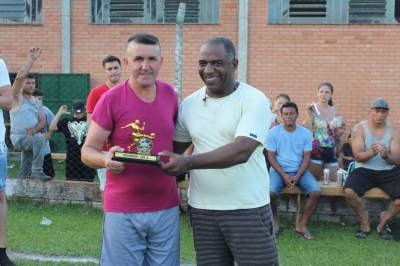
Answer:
[(290, 46)]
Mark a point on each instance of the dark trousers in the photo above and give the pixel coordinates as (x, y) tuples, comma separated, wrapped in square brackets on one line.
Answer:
[(244, 236), (48, 168)]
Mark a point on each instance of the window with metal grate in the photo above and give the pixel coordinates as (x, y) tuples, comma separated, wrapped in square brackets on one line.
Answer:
[(367, 11), (20, 11), (152, 11), (397, 10), (307, 8), (334, 11)]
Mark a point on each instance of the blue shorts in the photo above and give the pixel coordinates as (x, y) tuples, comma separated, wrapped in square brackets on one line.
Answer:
[(3, 166), (143, 238), (307, 182)]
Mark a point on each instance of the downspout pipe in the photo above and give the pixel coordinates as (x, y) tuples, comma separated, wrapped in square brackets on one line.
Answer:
[(65, 36), (243, 33)]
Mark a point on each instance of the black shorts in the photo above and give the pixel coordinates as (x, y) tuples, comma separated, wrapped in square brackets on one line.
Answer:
[(363, 179)]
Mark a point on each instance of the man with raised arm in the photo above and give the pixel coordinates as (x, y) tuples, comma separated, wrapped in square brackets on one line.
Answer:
[(27, 121)]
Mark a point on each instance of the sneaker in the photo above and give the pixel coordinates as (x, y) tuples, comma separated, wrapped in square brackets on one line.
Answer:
[(385, 233), (41, 176), (362, 234)]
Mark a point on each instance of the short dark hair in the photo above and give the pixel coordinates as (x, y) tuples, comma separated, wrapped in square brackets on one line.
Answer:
[(30, 76), (288, 105), (111, 58), (144, 38), (283, 95), (227, 43)]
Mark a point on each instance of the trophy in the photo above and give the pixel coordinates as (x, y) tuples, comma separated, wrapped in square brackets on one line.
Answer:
[(143, 144)]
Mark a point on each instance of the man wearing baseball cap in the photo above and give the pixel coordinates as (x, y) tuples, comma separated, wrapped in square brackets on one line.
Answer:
[(375, 144), (78, 107), (74, 129)]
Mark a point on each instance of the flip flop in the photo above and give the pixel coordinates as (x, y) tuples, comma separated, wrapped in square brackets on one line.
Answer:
[(306, 235), (362, 234)]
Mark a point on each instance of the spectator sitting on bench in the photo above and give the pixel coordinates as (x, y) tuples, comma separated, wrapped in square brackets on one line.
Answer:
[(289, 148), (75, 130), (27, 121), (376, 150)]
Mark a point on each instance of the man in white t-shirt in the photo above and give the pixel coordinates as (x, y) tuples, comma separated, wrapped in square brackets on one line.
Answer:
[(5, 104), (229, 182)]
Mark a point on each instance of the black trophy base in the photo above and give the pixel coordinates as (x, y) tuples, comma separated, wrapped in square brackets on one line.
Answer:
[(128, 157)]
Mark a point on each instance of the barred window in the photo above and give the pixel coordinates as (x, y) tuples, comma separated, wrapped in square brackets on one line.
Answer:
[(152, 11), (334, 11), (20, 11)]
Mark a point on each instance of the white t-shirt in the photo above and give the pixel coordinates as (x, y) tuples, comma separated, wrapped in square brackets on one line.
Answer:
[(4, 81), (215, 122)]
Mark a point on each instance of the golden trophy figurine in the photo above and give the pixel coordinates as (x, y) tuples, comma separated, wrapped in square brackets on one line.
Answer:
[(143, 144)]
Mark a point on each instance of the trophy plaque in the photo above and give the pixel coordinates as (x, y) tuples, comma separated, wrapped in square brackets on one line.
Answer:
[(143, 144)]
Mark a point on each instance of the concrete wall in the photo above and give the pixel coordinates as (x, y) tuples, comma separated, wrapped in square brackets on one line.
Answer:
[(332, 209)]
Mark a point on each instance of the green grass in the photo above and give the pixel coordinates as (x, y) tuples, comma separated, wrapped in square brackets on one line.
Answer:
[(335, 245), (76, 231), (187, 245)]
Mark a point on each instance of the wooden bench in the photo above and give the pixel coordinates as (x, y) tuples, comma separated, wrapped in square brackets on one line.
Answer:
[(58, 156), (332, 190)]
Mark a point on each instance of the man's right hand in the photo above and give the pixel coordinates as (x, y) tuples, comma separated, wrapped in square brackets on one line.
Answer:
[(176, 165), (63, 109), (34, 53), (30, 131), (376, 148), (114, 167)]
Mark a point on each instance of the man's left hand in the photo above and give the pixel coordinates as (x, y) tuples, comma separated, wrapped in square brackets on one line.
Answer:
[(383, 152), (176, 164), (295, 180)]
